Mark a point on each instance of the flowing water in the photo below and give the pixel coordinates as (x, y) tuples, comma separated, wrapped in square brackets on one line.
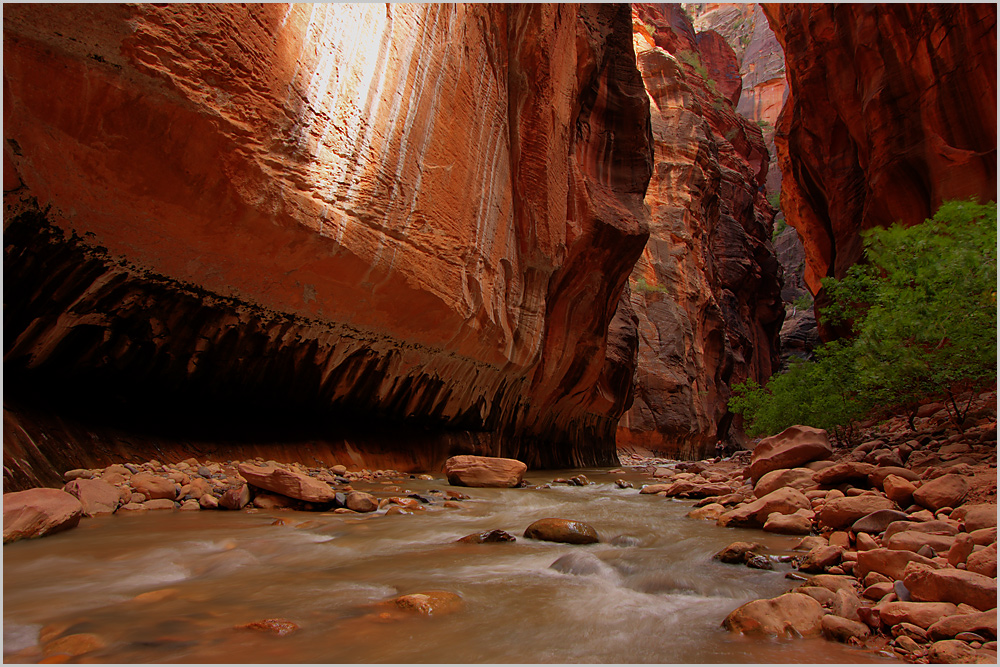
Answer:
[(657, 598)]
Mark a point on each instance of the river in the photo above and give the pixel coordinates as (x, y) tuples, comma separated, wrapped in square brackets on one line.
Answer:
[(658, 598)]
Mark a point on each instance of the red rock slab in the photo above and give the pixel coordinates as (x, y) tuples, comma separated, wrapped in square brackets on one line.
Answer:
[(983, 623), (951, 585), (793, 447), (922, 614), (484, 471), (287, 483), (38, 512), (889, 562), (945, 491), (791, 614), (842, 512), (96, 496), (153, 486)]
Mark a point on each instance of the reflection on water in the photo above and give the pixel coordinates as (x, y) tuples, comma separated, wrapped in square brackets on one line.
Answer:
[(653, 596)]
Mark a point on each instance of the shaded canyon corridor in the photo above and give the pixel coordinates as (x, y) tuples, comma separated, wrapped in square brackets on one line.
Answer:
[(364, 297)]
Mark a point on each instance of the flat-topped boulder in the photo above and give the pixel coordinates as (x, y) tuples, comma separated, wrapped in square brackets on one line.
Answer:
[(945, 491), (287, 483), (842, 512), (484, 471), (791, 614), (792, 448), (755, 514), (96, 496), (950, 585), (889, 562), (38, 512)]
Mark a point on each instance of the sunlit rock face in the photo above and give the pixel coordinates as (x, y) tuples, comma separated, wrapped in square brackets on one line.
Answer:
[(402, 212), (892, 110), (707, 287)]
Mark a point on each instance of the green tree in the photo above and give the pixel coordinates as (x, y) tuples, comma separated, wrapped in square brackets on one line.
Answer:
[(922, 311)]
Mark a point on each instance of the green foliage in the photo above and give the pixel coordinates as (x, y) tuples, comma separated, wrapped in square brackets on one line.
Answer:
[(774, 199), (802, 302), (692, 59), (642, 286), (923, 317), (779, 227), (763, 123)]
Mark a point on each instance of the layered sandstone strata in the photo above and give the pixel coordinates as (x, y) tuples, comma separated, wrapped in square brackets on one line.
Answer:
[(707, 287), (419, 214), (892, 111)]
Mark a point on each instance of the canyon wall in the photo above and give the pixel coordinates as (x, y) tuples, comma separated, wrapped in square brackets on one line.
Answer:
[(707, 287), (892, 111), (323, 215)]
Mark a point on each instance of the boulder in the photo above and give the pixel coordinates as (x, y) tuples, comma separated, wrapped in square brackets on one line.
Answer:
[(582, 563), (820, 558), (951, 585), (912, 540), (842, 512), (429, 603), (960, 549), (889, 562), (652, 489), (271, 626), (38, 512), (710, 512), (287, 483), (984, 536), (153, 486), (921, 614), (484, 471), (842, 630), (847, 471), (950, 652), (898, 490), (488, 537), (833, 582), (788, 524), (235, 498), (933, 527), (692, 489), (159, 504), (795, 478), (877, 477), (976, 517), (755, 513), (983, 562), (983, 623), (793, 447), (791, 614), (96, 496), (945, 491), (562, 530), (736, 552), (864, 542), (359, 501), (272, 501)]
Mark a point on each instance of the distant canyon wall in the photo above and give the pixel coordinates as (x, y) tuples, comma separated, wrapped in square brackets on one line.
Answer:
[(413, 214), (707, 286), (892, 111)]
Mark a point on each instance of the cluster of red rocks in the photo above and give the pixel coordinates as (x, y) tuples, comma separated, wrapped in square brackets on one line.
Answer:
[(193, 486), (900, 532)]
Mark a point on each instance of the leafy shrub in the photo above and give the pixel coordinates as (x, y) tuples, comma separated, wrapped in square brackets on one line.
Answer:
[(642, 286), (922, 312)]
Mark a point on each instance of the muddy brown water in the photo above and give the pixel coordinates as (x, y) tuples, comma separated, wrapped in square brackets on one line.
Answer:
[(659, 598)]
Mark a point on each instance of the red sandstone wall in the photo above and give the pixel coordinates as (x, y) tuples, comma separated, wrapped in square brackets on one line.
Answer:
[(707, 287), (892, 111), (409, 211)]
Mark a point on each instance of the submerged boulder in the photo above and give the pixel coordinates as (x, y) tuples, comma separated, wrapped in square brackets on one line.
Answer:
[(562, 530)]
